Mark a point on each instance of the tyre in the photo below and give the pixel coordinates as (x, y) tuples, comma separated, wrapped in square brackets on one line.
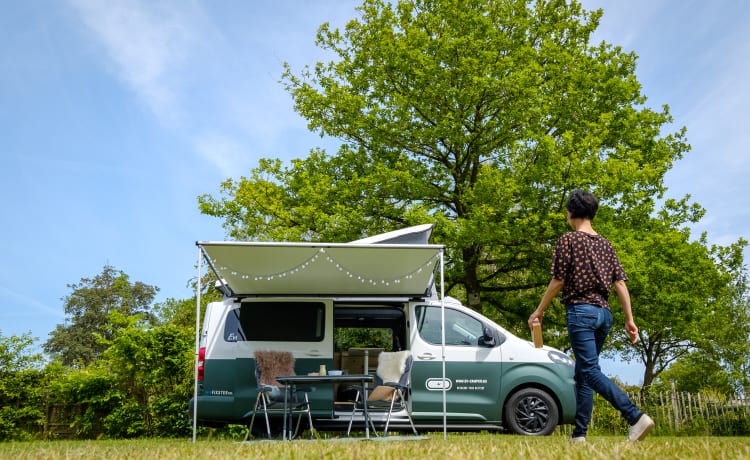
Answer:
[(531, 411)]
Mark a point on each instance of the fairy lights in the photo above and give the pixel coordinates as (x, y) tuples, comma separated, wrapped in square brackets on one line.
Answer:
[(321, 256)]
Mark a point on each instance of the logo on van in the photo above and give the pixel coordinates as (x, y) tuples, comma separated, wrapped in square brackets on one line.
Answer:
[(219, 392), (438, 384)]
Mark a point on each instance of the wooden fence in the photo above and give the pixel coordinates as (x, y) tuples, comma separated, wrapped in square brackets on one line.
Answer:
[(677, 413)]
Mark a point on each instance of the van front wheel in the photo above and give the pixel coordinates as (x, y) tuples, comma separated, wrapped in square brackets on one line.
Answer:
[(531, 411)]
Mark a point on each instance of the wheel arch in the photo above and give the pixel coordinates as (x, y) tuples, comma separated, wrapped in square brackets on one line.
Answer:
[(538, 386), (561, 388)]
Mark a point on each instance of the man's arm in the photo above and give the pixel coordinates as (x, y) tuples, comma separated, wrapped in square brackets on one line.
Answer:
[(553, 288), (624, 296)]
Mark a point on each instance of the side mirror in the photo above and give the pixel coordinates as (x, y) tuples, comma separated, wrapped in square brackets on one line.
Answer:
[(487, 339)]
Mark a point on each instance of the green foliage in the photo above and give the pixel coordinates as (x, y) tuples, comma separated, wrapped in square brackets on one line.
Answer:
[(154, 368), (139, 387), (83, 398), (694, 373), (358, 337), (88, 308), (684, 292), (22, 382), (480, 118), (676, 414)]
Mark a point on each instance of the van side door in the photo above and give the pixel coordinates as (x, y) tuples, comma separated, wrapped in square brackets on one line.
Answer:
[(472, 367)]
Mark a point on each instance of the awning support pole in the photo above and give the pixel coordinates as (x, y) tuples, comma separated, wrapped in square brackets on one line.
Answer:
[(442, 340), (197, 346)]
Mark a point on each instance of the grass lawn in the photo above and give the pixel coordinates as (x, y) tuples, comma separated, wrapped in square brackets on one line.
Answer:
[(457, 447)]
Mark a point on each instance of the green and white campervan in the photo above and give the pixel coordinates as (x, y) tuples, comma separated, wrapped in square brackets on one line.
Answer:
[(319, 301)]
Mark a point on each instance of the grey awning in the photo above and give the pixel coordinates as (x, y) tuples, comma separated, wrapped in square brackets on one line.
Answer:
[(328, 269)]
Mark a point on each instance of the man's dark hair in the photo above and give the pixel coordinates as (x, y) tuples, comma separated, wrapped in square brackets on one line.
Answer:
[(582, 204)]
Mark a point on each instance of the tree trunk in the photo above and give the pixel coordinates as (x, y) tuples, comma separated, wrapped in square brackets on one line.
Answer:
[(648, 374), (471, 281)]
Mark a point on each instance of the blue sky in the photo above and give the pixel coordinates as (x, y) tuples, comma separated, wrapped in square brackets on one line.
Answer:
[(115, 116)]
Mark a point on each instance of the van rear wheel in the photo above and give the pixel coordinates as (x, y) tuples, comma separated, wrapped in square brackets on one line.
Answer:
[(531, 411)]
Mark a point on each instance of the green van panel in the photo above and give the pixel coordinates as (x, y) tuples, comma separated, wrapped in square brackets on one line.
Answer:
[(473, 395)]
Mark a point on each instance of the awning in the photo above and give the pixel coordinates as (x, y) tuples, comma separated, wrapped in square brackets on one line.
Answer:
[(326, 269)]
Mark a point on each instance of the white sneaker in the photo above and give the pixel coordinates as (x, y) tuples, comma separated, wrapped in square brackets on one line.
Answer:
[(640, 429), (578, 440)]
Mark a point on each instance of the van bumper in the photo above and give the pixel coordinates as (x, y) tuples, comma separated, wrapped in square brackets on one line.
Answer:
[(217, 409)]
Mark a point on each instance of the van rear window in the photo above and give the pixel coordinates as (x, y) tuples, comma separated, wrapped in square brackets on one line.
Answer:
[(276, 321)]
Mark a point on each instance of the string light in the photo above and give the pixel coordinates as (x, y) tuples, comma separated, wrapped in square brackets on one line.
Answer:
[(321, 255)]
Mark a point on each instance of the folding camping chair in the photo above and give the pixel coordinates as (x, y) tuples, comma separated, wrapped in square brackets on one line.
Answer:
[(270, 399), (391, 390)]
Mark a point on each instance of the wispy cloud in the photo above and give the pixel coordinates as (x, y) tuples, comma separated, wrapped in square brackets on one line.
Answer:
[(223, 153), (146, 43), (27, 304), (724, 102)]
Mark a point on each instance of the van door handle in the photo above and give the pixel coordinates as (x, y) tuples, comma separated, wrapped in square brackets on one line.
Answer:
[(313, 353), (426, 357)]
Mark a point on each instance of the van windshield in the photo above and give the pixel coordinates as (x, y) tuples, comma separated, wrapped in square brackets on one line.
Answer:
[(276, 321)]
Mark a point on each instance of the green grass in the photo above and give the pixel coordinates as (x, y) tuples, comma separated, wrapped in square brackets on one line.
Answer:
[(456, 447)]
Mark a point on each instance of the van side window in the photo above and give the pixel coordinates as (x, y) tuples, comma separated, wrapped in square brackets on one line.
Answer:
[(276, 321), (232, 329), (460, 328)]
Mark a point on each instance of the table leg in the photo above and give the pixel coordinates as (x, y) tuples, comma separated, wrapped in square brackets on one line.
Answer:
[(366, 413), (283, 428)]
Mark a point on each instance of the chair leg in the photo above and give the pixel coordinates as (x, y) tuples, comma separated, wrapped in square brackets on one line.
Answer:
[(390, 411), (252, 419), (305, 411), (296, 428), (354, 410), (265, 413), (372, 426), (309, 417), (408, 412)]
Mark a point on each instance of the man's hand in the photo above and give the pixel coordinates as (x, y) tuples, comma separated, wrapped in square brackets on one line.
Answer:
[(538, 314), (632, 331)]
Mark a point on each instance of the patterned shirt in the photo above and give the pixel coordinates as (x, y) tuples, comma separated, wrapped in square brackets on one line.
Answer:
[(588, 266)]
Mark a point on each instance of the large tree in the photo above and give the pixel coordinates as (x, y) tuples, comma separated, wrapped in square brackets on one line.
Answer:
[(687, 295), (480, 116), (88, 308)]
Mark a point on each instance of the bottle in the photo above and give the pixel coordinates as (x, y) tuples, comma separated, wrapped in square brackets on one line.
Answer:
[(536, 333), (322, 370)]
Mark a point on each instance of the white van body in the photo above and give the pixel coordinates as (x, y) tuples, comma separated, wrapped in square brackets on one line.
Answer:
[(298, 297)]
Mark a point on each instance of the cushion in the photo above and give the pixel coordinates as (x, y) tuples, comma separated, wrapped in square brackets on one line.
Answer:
[(273, 364), (381, 393)]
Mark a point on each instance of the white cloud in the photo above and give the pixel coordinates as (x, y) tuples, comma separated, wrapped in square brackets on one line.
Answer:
[(229, 157), (147, 43), (722, 108), (27, 304)]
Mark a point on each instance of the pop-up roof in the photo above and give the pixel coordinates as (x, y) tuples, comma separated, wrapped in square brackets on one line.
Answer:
[(369, 267)]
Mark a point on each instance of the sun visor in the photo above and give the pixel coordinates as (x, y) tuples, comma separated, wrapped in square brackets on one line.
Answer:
[(324, 269)]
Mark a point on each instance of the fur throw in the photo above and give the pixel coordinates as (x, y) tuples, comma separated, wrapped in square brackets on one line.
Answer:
[(273, 364), (391, 365)]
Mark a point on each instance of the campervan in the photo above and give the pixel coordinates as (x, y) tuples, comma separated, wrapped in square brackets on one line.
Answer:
[(339, 305)]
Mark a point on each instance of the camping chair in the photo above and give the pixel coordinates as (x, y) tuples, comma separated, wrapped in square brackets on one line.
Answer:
[(391, 390), (270, 399)]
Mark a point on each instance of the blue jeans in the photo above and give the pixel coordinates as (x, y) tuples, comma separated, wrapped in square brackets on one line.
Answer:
[(588, 327)]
